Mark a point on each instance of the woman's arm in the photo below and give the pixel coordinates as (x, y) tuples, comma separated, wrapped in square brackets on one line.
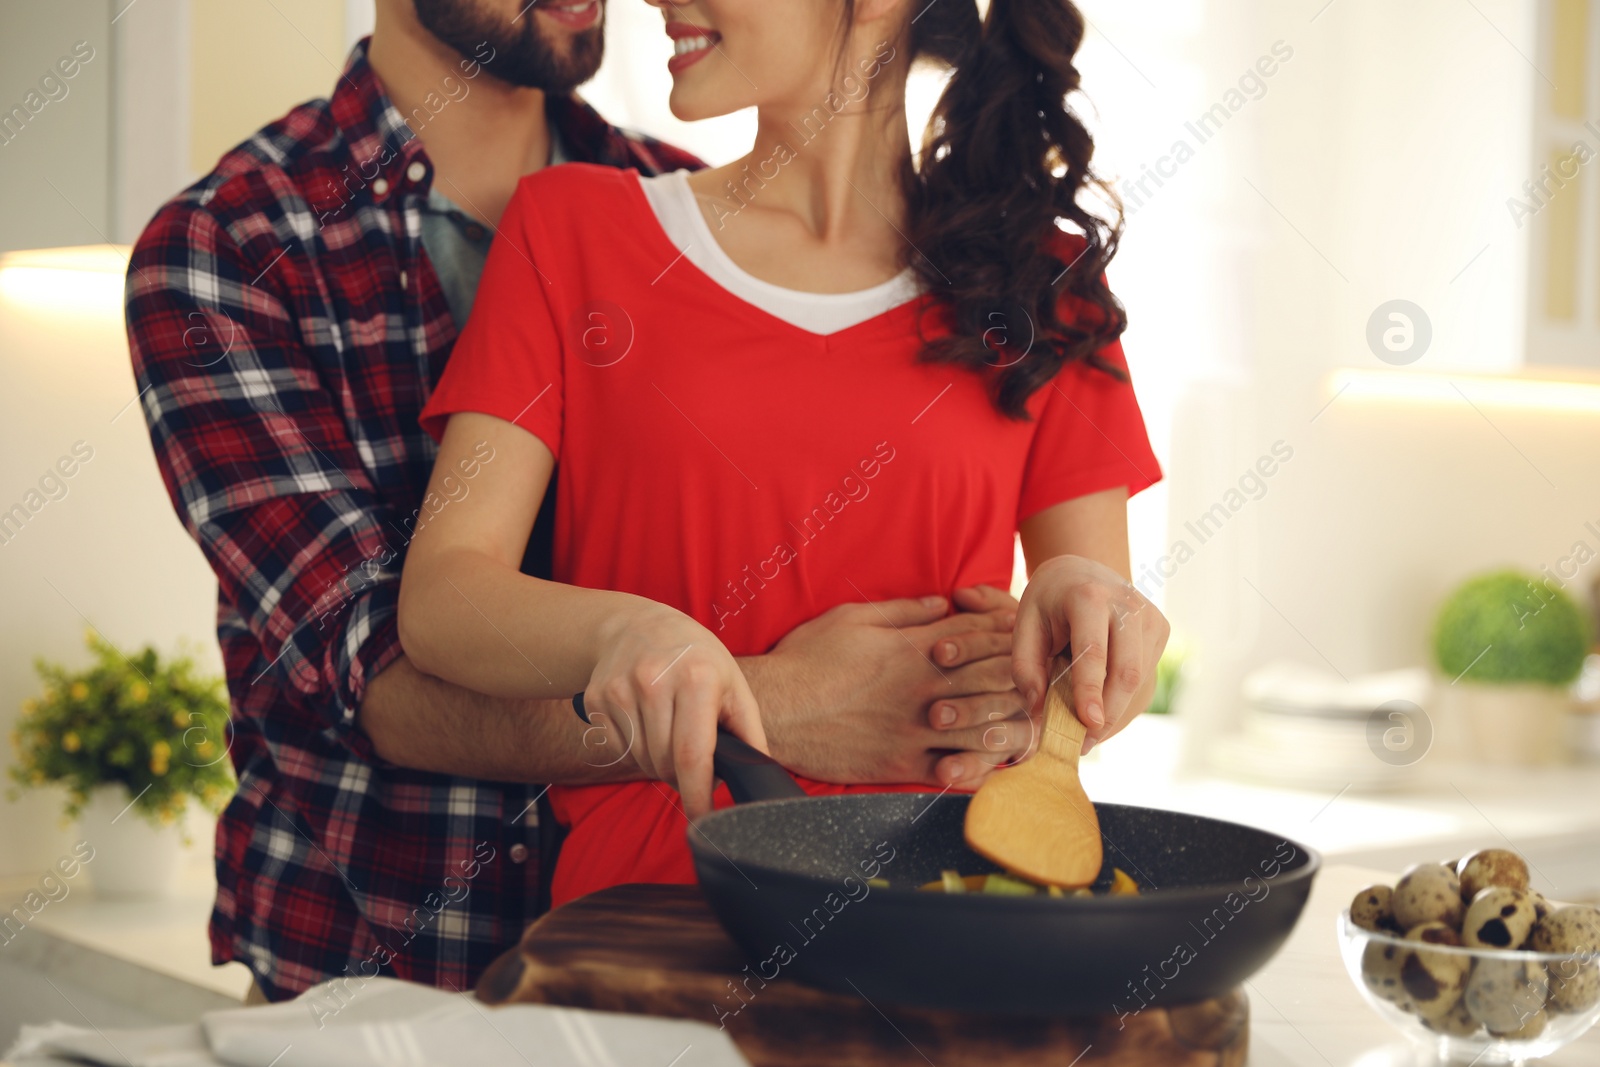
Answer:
[(1079, 595), (469, 616)]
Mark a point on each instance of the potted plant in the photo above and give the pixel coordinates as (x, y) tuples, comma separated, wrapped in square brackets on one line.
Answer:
[(1169, 678), (133, 740), (1510, 645)]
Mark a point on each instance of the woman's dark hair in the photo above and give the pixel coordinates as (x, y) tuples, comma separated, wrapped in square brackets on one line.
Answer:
[(1003, 158)]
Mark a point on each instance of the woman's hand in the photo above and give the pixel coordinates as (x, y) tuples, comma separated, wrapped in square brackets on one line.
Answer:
[(665, 683), (1115, 635)]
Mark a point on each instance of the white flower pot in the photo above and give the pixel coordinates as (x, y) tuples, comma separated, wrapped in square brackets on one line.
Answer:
[(1522, 725), (132, 856)]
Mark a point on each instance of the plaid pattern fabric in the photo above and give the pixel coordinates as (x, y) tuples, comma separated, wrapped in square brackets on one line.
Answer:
[(286, 330)]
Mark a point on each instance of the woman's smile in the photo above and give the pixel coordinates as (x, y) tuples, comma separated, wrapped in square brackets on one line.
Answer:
[(691, 44)]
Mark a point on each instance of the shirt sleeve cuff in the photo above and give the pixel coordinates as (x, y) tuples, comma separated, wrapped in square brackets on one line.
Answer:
[(367, 641)]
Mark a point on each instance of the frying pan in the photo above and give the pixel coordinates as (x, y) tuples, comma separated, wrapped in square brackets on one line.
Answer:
[(786, 874)]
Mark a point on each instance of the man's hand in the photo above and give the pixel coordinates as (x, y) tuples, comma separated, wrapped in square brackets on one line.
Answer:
[(898, 691)]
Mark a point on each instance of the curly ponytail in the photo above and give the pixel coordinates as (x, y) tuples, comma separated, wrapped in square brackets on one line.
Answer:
[(1003, 158)]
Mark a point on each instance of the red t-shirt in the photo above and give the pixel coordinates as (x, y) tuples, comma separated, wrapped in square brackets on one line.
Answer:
[(743, 470)]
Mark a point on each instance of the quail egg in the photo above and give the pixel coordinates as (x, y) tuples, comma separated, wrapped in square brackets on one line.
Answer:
[(1505, 994), (1574, 986), (1457, 1022), (1574, 928), (1499, 917), (1491, 866), (1532, 1026), (1370, 910), (1433, 981), (1574, 983), (1380, 969), (1427, 892)]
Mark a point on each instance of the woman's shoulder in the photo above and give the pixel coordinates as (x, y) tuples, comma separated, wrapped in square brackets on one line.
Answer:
[(582, 193)]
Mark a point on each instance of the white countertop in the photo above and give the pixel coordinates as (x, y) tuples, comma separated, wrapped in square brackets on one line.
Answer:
[(167, 937)]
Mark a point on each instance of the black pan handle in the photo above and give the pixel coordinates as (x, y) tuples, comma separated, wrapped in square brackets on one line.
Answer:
[(750, 773)]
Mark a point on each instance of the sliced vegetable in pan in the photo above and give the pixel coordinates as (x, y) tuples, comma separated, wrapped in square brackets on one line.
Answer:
[(1009, 885)]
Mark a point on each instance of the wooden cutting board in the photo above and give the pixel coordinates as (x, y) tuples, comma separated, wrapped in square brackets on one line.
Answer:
[(658, 950)]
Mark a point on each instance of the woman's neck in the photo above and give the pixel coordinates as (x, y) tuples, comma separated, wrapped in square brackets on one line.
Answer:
[(817, 203)]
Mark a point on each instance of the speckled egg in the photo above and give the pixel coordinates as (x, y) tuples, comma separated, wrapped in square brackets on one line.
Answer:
[(1491, 866), (1433, 981), (1499, 917), (1427, 892), (1574, 984), (1541, 906), (1457, 1022), (1370, 910), (1504, 994), (1574, 928), (1531, 1027), (1380, 969)]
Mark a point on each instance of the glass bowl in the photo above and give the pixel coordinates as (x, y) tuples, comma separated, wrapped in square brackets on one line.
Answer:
[(1440, 995)]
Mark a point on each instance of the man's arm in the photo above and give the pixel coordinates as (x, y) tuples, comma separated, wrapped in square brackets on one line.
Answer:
[(418, 721), (848, 697), (258, 460)]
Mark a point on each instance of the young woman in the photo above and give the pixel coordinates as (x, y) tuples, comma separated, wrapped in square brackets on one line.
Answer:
[(818, 375)]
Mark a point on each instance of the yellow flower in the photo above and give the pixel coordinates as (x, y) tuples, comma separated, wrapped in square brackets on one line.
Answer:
[(71, 741), (204, 748), (161, 751), (158, 767), (138, 691), (30, 706), (78, 691), (180, 718)]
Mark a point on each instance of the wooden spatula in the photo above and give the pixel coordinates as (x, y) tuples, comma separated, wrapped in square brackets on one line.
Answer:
[(1034, 819)]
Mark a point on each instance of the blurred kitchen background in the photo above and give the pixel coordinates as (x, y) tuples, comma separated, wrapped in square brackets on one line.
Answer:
[(1362, 268)]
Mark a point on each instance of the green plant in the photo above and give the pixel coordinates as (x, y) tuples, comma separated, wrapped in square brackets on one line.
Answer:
[(156, 727), (1509, 626), (1169, 676)]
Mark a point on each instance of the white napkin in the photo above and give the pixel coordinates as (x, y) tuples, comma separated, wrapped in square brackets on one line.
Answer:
[(387, 1023)]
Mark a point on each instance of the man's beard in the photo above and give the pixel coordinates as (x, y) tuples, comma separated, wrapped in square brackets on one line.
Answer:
[(521, 55)]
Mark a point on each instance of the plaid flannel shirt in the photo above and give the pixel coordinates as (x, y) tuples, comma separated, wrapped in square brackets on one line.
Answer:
[(286, 330)]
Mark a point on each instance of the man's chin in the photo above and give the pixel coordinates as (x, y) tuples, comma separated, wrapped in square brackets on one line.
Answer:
[(545, 50)]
